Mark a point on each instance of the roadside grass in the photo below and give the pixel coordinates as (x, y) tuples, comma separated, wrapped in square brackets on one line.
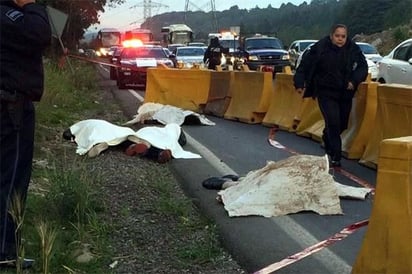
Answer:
[(200, 250), (61, 222)]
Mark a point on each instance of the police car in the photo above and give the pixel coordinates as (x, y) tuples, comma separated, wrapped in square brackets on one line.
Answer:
[(135, 59)]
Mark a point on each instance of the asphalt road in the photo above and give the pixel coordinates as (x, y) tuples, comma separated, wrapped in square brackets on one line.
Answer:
[(232, 147)]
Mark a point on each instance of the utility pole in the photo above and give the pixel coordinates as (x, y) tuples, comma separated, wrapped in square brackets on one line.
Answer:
[(147, 7)]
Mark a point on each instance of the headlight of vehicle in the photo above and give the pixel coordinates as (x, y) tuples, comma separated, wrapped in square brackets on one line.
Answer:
[(103, 51), (180, 64), (253, 58), (286, 57), (223, 60)]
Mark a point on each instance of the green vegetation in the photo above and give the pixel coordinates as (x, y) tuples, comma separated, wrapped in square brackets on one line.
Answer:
[(309, 20), (400, 34), (64, 227), (61, 208)]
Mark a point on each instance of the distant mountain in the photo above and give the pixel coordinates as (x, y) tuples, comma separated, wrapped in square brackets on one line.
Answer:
[(290, 22)]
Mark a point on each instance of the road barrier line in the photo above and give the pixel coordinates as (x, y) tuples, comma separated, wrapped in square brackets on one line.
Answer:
[(345, 232)]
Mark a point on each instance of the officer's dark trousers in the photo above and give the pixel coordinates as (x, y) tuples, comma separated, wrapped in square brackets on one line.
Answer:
[(16, 151), (336, 115)]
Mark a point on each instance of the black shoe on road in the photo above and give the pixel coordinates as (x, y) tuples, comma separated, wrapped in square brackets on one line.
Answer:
[(335, 164)]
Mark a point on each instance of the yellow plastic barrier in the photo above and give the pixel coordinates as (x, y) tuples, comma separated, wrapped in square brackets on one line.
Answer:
[(184, 88), (362, 119), (285, 104), (219, 93), (393, 119), (287, 70), (387, 246), (250, 96), (311, 122)]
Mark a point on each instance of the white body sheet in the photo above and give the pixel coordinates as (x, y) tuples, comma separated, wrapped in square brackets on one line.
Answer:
[(94, 131)]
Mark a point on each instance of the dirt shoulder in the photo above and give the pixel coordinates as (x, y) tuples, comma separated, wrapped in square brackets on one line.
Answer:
[(154, 227)]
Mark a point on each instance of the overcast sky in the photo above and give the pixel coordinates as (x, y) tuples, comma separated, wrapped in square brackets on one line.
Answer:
[(130, 14)]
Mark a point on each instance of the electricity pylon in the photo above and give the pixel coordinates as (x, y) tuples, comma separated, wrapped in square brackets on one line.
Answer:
[(147, 7), (189, 5)]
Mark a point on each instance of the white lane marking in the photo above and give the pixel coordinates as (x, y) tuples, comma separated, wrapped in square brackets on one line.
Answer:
[(104, 68), (304, 238), (213, 160), (137, 95)]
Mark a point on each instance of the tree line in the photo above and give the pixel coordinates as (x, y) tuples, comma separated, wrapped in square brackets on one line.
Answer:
[(288, 22), (81, 15)]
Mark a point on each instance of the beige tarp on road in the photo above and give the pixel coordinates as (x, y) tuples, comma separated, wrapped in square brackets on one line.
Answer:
[(298, 183)]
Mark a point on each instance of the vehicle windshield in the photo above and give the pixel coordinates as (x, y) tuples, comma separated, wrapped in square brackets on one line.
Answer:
[(181, 37), (142, 52), (368, 49), (110, 39), (190, 51), (304, 45), (263, 44), (231, 44)]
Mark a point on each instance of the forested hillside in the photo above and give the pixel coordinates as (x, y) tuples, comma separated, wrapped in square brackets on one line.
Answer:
[(290, 22)]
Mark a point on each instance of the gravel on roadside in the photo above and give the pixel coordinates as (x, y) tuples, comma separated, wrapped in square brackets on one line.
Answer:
[(148, 235)]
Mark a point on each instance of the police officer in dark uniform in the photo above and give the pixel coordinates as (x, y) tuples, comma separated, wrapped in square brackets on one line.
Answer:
[(213, 53), (24, 33)]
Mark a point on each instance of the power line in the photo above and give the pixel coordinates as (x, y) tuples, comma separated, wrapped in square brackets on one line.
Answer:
[(147, 7), (189, 4)]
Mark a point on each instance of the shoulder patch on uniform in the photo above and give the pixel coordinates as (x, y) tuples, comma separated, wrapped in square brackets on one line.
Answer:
[(13, 15)]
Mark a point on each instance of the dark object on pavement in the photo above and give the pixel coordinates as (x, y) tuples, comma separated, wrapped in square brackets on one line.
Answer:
[(231, 177), (213, 183), (182, 138), (218, 182), (335, 164)]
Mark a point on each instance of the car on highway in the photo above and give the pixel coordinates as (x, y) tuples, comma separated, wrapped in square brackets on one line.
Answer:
[(266, 51), (396, 67), (372, 69), (111, 50), (370, 51), (296, 48), (115, 60), (189, 56), (135, 61), (197, 44), (172, 47)]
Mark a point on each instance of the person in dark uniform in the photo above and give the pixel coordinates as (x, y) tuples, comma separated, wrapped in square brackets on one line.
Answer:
[(24, 33), (331, 71), (213, 53)]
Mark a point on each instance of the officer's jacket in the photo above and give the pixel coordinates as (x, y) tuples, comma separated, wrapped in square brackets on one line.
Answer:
[(327, 69), (24, 34)]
